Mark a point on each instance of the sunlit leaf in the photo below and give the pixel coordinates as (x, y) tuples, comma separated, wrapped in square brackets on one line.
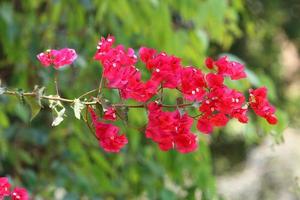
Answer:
[(78, 106)]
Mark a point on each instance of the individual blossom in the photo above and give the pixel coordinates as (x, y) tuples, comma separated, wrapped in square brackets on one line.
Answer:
[(240, 114), (261, 106), (209, 63), (166, 69), (192, 84), (57, 58), (170, 130), (103, 46), (19, 194), (138, 90), (147, 54), (214, 80), (233, 69), (110, 114), (108, 135), (4, 187), (204, 125)]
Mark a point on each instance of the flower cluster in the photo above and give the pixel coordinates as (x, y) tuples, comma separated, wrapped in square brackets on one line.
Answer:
[(107, 134), (169, 129), (17, 193), (57, 58), (261, 106)]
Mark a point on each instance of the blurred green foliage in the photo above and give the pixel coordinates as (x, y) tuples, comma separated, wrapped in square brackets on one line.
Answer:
[(66, 160)]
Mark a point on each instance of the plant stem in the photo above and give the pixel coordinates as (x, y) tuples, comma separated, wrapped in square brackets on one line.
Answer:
[(100, 84), (58, 98), (88, 123), (87, 93), (56, 82)]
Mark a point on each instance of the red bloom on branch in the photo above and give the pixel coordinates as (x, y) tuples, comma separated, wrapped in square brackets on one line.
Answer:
[(110, 114), (4, 187), (204, 125), (192, 84), (170, 130), (230, 68), (147, 54), (240, 114), (166, 69), (58, 58), (261, 106), (218, 103), (108, 135), (19, 194), (214, 80), (234, 70), (209, 62)]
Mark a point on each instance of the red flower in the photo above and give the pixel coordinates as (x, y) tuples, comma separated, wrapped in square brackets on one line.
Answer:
[(166, 69), (147, 54), (209, 62), (4, 187), (104, 45), (108, 135), (261, 106), (204, 125), (186, 143), (170, 130), (219, 119), (227, 68), (214, 80), (58, 58), (192, 84), (110, 114), (221, 103), (240, 114), (140, 91), (19, 194)]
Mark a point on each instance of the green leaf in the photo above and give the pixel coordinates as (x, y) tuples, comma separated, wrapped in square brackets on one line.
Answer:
[(39, 93), (34, 105), (78, 106), (58, 110), (4, 121)]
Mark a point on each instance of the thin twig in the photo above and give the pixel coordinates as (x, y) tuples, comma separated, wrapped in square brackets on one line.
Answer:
[(100, 84), (57, 98), (88, 123), (87, 93), (56, 82)]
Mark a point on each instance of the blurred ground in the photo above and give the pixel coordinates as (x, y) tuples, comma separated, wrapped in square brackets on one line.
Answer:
[(272, 172)]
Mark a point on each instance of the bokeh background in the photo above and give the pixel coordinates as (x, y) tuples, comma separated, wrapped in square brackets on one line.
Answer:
[(253, 161)]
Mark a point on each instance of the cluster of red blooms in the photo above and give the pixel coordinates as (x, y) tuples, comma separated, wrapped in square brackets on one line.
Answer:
[(218, 103), (170, 129), (17, 193), (107, 134), (57, 58)]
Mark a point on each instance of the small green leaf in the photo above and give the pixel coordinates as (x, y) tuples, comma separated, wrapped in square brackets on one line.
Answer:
[(4, 121), (35, 107), (58, 110), (78, 106), (39, 93), (59, 118), (20, 94)]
